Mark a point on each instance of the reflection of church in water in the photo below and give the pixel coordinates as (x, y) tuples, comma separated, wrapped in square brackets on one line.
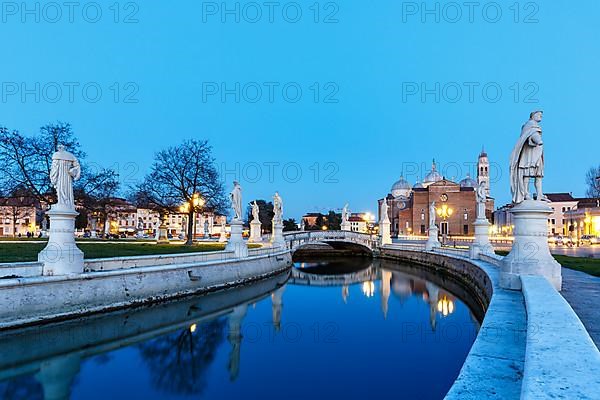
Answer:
[(456, 202)]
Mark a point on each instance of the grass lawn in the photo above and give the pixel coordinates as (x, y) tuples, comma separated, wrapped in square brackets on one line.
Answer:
[(585, 264), (20, 252)]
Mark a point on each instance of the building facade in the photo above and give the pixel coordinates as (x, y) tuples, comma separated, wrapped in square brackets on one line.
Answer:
[(455, 203)]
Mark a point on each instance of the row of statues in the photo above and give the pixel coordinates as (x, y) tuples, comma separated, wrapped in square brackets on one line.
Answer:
[(526, 163)]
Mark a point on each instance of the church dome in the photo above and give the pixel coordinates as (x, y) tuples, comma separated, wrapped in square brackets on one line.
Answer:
[(433, 176), (468, 182), (401, 188), (418, 185)]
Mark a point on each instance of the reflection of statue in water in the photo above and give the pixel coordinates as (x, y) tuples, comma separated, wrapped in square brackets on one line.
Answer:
[(527, 161), (277, 307), (235, 340), (178, 362), (65, 169)]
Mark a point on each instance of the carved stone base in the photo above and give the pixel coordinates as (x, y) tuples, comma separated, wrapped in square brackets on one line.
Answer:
[(223, 234), (384, 233), (163, 235), (61, 256), (255, 234), (530, 254), (481, 244), (433, 241), (277, 235), (236, 242)]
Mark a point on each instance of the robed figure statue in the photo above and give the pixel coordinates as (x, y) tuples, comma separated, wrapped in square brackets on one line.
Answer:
[(236, 201), (527, 161), (65, 169)]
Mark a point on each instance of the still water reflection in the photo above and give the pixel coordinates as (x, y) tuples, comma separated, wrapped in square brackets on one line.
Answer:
[(348, 329)]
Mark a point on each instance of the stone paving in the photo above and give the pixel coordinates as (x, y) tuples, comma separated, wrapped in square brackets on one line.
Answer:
[(582, 291)]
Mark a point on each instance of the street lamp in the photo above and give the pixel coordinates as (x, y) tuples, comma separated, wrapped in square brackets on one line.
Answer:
[(192, 205), (445, 212)]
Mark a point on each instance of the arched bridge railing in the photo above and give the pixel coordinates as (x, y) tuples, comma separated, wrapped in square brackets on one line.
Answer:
[(296, 239)]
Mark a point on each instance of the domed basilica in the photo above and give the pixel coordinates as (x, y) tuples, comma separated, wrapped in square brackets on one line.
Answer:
[(455, 202)]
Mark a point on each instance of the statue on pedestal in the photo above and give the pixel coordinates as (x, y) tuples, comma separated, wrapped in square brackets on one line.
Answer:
[(61, 255), (384, 217), (530, 253), (432, 214), (255, 212), (345, 214), (481, 195), (236, 201), (277, 209), (527, 161), (65, 170)]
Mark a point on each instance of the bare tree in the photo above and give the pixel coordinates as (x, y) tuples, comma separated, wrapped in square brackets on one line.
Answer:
[(592, 179), (185, 179), (25, 162)]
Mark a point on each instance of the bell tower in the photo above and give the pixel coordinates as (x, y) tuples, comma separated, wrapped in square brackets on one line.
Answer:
[(483, 171)]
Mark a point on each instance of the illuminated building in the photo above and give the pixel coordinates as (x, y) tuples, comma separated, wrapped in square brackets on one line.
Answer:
[(455, 202)]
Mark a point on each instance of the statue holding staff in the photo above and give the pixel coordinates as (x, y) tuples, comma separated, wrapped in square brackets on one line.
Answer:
[(527, 161)]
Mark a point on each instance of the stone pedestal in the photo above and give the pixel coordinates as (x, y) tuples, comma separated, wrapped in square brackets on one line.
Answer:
[(384, 233), (236, 241), (433, 241), (94, 234), (223, 234), (530, 254), (61, 255), (481, 244), (345, 226), (162, 235), (255, 234), (277, 235)]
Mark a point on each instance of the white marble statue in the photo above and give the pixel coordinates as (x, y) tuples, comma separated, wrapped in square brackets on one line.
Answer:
[(303, 225), (345, 214), (432, 214), (527, 161), (384, 217), (481, 195), (236, 201), (255, 212), (277, 209), (65, 170)]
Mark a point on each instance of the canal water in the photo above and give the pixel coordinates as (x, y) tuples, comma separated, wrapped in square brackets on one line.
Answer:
[(348, 329)]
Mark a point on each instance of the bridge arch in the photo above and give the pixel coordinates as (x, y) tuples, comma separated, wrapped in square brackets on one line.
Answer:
[(336, 240)]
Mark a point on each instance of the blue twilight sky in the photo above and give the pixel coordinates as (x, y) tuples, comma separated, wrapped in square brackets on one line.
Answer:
[(385, 87)]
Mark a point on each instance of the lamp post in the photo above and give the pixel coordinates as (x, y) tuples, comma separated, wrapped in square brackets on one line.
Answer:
[(191, 208), (445, 212)]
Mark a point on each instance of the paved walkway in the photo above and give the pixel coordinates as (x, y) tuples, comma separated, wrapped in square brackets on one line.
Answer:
[(582, 291)]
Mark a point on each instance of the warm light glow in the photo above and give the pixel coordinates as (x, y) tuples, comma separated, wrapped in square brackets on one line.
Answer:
[(193, 328), (444, 211), (368, 288), (324, 227), (596, 225), (445, 306)]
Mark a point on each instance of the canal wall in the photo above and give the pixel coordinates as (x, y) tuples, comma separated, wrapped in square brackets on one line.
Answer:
[(110, 284), (531, 344)]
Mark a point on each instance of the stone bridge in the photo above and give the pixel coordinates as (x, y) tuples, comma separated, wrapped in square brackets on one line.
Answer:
[(338, 240)]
